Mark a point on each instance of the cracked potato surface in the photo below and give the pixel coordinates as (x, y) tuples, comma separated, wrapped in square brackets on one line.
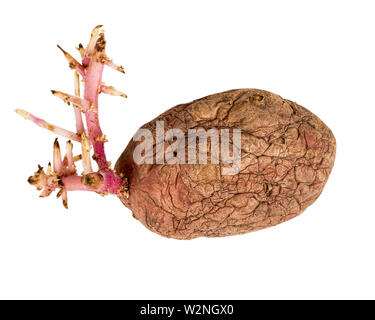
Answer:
[(287, 154)]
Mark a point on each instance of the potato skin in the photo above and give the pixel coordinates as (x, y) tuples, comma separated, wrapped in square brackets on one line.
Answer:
[(287, 156)]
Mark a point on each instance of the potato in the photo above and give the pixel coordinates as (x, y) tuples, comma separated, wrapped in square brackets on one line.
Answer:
[(230, 163), (286, 156)]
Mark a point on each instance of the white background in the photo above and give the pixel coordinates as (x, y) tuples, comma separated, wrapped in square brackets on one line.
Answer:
[(317, 53)]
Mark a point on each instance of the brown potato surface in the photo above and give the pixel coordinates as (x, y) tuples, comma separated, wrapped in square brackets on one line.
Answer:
[(287, 154)]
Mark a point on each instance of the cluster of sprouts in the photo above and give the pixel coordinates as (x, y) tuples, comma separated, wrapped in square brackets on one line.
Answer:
[(62, 174)]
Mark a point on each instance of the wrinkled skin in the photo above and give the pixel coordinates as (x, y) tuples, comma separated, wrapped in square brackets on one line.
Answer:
[(287, 156)]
